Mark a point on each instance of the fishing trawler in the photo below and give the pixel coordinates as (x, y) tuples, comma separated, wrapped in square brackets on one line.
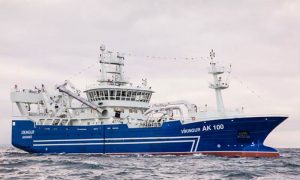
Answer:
[(116, 118)]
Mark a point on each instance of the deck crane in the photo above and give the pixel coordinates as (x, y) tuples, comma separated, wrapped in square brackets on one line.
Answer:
[(76, 95)]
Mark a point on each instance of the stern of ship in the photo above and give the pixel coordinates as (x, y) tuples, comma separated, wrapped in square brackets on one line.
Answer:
[(22, 134)]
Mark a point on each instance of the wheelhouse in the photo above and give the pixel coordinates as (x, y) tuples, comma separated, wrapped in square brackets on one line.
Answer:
[(118, 94)]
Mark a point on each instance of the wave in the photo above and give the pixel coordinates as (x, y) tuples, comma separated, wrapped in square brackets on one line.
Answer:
[(15, 164)]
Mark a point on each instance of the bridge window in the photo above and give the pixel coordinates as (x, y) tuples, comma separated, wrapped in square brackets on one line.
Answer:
[(138, 96), (89, 96), (92, 96), (141, 98), (128, 96), (118, 95), (101, 95), (97, 95), (112, 94), (144, 97), (133, 96), (123, 97), (106, 94), (149, 97)]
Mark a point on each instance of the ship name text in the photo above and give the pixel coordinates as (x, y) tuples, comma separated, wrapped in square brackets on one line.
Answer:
[(204, 128), (27, 132)]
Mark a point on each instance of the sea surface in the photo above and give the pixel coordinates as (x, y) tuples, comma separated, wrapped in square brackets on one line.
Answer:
[(15, 164)]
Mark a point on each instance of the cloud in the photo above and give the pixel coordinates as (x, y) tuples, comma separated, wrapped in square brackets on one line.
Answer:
[(50, 41)]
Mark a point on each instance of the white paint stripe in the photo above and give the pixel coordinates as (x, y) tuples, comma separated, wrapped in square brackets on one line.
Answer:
[(192, 146), (54, 140), (115, 139), (116, 143), (172, 137), (70, 144), (197, 143), (151, 142)]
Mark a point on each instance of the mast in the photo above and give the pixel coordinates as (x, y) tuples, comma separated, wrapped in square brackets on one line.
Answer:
[(102, 49), (111, 68), (218, 84)]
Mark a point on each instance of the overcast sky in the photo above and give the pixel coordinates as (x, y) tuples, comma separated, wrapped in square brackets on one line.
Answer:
[(50, 41)]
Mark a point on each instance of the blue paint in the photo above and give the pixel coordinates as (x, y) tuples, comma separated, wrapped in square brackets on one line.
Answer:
[(238, 134)]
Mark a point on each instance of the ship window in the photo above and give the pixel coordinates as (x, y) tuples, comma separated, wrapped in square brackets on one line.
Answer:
[(138, 96), (133, 96), (92, 96), (118, 95), (112, 94), (123, 97), (144, 97), (149, 98), (101, 95), (129, 93), (130, 110), (98, 95), (141, 97), (106, 94), (95, 95)]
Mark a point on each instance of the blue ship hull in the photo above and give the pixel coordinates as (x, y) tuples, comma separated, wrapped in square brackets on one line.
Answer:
[(225, 137)]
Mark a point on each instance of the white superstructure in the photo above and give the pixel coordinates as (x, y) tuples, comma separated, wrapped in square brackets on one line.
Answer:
[(113, 100)]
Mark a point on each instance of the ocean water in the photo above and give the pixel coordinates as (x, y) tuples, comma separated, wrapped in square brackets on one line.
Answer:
[(15, 164)]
